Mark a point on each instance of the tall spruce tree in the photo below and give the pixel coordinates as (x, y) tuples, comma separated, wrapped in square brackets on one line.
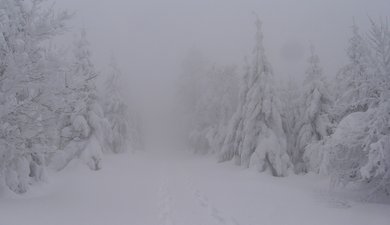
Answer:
[(256, 136)]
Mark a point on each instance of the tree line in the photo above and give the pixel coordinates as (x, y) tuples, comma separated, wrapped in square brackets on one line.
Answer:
[(333, 125), (51, 110)]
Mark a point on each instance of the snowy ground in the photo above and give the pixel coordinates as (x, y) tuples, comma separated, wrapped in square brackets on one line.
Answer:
[(156, 189)]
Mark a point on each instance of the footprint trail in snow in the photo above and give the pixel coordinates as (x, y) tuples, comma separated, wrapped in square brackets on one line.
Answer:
[(166, 210), (209, 207)]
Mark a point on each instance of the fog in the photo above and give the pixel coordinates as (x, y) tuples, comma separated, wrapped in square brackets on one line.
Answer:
[(195, 112), (150, 38)]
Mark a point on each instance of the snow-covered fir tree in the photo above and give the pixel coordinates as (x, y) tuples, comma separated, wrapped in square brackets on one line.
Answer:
[(29, 88), (291, 118), (353, 81), (314, 123), (359, 150), (124, 126), (256, 136), (84, 126), (50, 111), (376, 170)]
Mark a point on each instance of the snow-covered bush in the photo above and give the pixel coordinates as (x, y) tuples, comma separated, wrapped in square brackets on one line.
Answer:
[(359, 151), (344, 150)]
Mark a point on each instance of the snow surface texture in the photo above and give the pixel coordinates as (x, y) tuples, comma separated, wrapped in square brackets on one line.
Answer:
[(167, 189)]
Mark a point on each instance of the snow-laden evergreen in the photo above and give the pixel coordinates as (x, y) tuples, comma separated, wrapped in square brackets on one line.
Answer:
[(359, 149), (50, 108), (314, 124), (29, 91), (292, 121), (52, 111), (255, 135), (337, 127), (353, 83), (83, 119), (124, 126), (95, 122)]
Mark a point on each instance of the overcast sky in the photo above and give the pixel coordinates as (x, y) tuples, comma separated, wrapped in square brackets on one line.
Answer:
[(150, 38)]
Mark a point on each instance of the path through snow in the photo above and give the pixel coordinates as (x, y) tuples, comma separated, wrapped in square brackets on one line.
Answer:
[(157, 189)]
